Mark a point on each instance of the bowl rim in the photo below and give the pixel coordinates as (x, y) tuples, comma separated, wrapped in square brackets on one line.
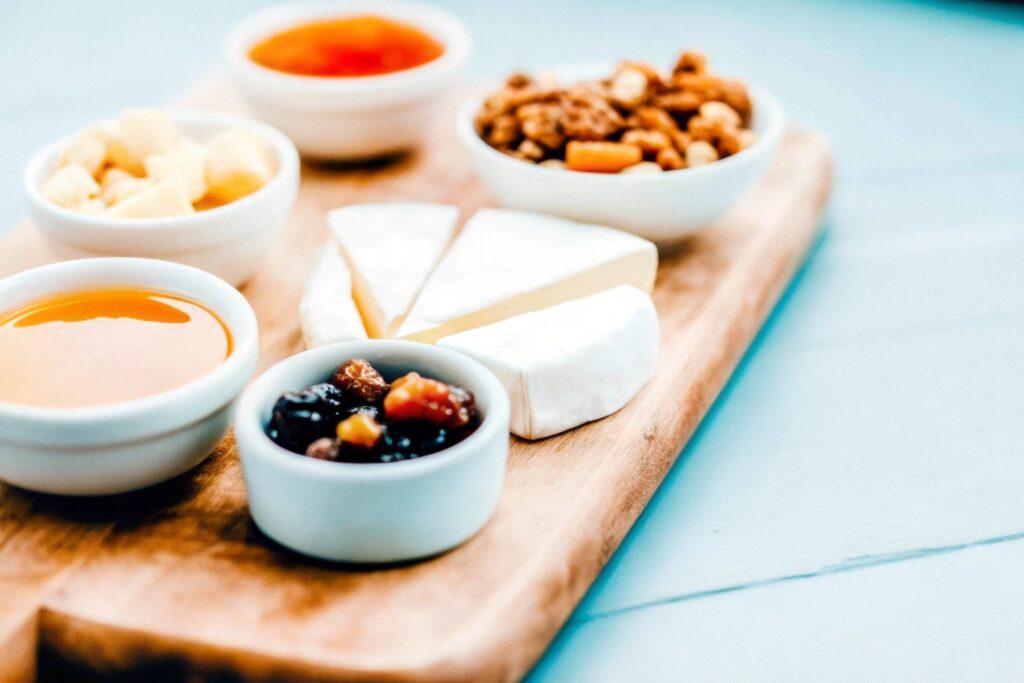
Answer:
[(762, 99), (284, 151), (438, 23), (154, 414), (250, 429)]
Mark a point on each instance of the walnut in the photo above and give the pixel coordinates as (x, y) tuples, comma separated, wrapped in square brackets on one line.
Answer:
[(594, 120), (680, 139), (650, 141), (736, 96), (653, 118), (729, 140), (679, 102), (702, 86), (544, 128), (504, 131), (518, 80), (721, 135), (691, 61), (670, 159), (528, 149), (701, 128)]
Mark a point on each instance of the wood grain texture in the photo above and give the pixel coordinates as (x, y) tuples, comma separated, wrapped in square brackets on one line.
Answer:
[(178, 580)]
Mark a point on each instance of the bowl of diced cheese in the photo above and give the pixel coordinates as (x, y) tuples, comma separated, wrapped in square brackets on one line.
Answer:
[(205, 189)]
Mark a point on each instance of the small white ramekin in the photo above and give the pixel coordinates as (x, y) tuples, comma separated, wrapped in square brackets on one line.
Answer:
[(662, 207), (353, 118), (120, 447), (229, 241), (380, 512)]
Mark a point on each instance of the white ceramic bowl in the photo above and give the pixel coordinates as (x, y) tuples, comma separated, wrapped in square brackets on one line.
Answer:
[(662, 207), (124, 446), (228, 241), (348, 118), (380, 512)]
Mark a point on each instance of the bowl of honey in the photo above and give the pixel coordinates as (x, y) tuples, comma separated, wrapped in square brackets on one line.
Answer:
[(348, 80), (117, 373)]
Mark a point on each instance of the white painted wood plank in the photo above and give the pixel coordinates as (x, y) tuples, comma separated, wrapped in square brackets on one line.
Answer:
[(874, 415), (954, 616)]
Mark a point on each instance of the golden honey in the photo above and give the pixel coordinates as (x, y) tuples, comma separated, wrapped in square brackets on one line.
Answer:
[(347, 47), (103, 346)]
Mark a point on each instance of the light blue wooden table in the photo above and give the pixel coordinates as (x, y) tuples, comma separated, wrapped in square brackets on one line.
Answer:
[(853, 506)]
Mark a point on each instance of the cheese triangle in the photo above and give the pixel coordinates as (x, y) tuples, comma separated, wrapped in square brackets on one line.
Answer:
[(327, 313), (505, 263), (391, 249), (571, 363)]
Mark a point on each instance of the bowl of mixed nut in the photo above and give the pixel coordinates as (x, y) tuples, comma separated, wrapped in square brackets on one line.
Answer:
[(659, 155)]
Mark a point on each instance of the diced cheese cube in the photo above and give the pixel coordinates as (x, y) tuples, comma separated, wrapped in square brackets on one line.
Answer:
[(327, 312), (86, 151), (571, 363), (90, 206), (118, 155), (147, 131), (112, 193), (114, 175), (69, 186), (238, 164), (169, 198), (187, 163)]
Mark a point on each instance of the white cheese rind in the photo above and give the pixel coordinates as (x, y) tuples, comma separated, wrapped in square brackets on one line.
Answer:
[(505, 263), (327, 313), (391, 249), (569, 364)]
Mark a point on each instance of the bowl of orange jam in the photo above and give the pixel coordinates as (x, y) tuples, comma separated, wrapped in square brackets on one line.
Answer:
[(117, 373), (350, 79)]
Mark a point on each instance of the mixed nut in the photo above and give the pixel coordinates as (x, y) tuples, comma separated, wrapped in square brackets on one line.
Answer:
[(635, 121), (357, 416)]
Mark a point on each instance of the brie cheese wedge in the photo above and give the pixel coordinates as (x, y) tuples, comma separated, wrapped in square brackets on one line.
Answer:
[(327, 313), (391, 249), (569, 364), (505, 263)]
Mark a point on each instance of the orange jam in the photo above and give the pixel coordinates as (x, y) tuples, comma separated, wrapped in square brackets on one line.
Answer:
[(106, 346), (347, 46)]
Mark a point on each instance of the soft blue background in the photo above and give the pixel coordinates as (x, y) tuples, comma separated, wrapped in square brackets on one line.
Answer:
[(853, 506)]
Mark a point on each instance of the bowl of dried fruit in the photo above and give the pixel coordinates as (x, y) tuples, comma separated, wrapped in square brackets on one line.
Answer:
[(659, 155), (373, 451)]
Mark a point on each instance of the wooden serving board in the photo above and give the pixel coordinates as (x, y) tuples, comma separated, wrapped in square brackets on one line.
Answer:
[(176, 581)]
